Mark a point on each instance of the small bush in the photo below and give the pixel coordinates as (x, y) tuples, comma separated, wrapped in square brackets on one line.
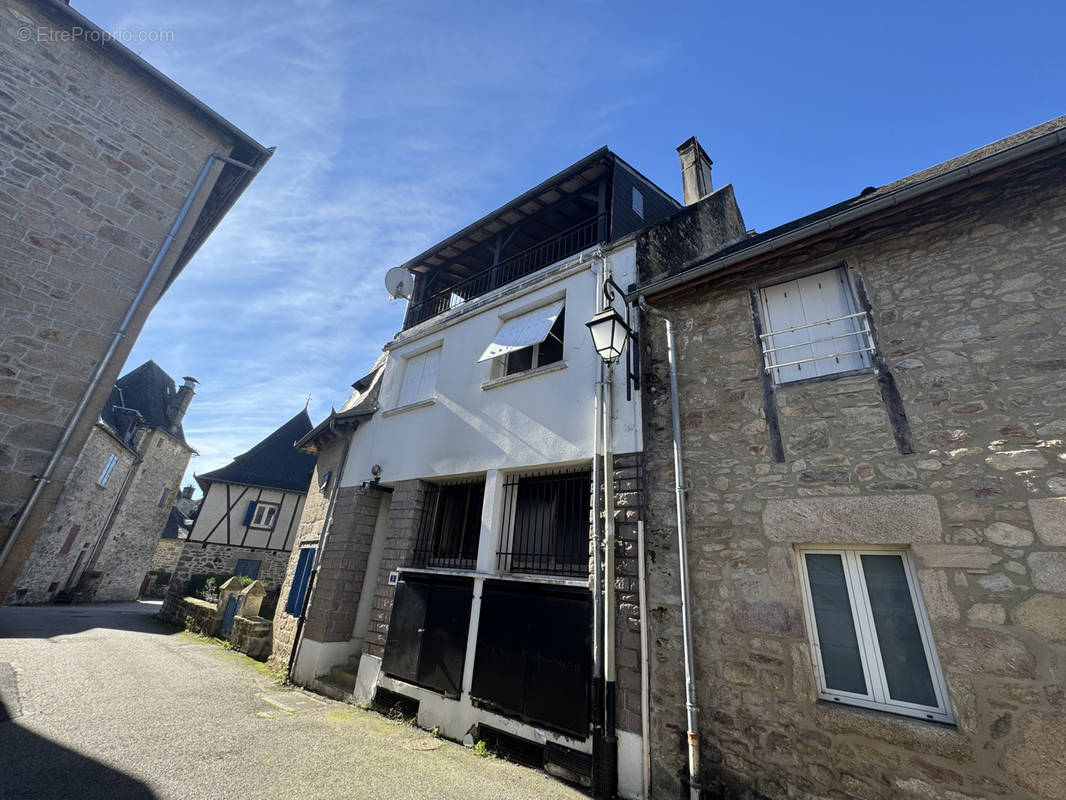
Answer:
[(483, 750)]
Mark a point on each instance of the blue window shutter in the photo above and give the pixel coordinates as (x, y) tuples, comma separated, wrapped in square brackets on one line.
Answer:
[(248, 514), (294, 603)]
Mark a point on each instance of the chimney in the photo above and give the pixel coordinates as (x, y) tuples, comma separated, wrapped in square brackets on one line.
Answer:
[(186, 492), (695, 171), (180, 404)]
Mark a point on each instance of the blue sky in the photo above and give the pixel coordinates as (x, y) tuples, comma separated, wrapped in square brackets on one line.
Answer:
[(397, 123)]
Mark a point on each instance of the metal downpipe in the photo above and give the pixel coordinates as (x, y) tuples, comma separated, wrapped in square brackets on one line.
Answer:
[(691, 708), (94, 382)]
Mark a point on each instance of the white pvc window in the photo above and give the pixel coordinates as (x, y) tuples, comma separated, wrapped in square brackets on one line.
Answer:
[(814, 328), (265, 514), (420, 377), (107, 470), (869, 632)]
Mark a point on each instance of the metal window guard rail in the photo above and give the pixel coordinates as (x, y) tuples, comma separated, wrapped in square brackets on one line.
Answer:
[(547, 524), (573, 240), (449, 524), (865, 332)]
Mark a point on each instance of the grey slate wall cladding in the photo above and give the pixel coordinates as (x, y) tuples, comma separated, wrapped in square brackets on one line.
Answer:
[(623, 218), (969, 297)]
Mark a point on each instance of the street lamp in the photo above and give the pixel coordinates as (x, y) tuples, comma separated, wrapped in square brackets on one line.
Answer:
[(609, 334)]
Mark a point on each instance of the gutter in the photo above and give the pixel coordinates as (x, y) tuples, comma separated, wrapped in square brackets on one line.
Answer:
[(841, 218)]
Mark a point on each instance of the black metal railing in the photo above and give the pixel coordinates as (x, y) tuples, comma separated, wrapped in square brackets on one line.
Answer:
[(547, 521), (450, 526), (572, 240)]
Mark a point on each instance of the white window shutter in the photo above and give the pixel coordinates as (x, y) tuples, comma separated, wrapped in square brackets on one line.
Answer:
[(784, 309)]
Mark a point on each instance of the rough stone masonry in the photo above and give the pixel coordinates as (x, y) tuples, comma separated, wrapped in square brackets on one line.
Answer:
[(968, 296)]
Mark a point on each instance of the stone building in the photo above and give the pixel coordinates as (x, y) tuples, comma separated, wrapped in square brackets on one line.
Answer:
[(112, 177), (452, 564), (170, 543), (872, 414), (248, 516), (99, 540)]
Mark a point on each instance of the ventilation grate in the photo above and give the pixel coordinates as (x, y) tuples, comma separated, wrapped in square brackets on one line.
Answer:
[(394, 704)]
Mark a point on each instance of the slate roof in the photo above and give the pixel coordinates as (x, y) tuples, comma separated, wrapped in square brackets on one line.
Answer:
[(148, 390), (273, 463), (360, 406)]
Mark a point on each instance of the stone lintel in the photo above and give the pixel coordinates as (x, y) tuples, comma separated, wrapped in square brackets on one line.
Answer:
[(896, 519)]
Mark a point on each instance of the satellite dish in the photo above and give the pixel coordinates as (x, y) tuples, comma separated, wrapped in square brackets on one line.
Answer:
[(399, 283)]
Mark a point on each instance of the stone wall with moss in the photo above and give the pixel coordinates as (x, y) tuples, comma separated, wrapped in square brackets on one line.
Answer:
[(968, 294)]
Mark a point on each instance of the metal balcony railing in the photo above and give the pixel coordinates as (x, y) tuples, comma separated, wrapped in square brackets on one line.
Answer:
[(572, 240)]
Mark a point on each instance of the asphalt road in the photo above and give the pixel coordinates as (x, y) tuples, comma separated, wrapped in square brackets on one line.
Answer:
[(106, 702)]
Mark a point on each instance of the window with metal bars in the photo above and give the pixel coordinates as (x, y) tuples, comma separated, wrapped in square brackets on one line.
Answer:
[(547, 517), (450, 527)]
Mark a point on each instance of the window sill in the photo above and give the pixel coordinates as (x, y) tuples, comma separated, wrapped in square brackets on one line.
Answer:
[(891, 716), (553, 580), (521, 376), (833, 376), (409, 406)]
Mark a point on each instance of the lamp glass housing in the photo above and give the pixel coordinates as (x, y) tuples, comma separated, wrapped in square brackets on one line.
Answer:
[(609, 334)]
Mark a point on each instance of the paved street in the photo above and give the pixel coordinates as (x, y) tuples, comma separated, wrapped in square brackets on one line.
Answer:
[(105, 702)]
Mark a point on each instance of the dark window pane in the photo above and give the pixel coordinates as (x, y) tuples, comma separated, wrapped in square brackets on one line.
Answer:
[(902, 653), (836, 627), (519, 360), (551, 349)]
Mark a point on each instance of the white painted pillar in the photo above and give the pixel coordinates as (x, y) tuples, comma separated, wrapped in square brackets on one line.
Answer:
[(488, 545)]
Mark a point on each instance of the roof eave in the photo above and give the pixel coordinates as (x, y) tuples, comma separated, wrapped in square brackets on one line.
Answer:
[(764, 247), (575, 168)]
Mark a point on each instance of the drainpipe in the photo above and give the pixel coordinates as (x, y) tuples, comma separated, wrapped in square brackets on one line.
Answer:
[(79, 411), (320, 546), (645, 686), (609, 609), (101, 538), (597, 586), (691, 708)]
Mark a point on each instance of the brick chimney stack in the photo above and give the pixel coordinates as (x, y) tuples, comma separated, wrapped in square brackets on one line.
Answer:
[(182, 398), (695, 171)]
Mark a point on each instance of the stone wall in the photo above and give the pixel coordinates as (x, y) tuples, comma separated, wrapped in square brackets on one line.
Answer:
[(166, 555), (199, 616), (96, 164), (405, 513), (66, 543), (342, 565), (312, 520), (199, 558), (629, 510), (969, 300), (127, 551)]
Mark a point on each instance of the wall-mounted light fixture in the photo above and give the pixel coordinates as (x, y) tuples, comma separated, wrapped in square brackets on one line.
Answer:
[(610, 333)]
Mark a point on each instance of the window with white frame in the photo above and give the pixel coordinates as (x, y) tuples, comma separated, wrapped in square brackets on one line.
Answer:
[(105, 473), (264, 515), (813, 327), (419, 377), (869, 633), (528, 341)]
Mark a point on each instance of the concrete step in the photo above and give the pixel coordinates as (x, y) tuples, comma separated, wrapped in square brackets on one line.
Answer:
[(332, 689), (344, 676), (353, 661)]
